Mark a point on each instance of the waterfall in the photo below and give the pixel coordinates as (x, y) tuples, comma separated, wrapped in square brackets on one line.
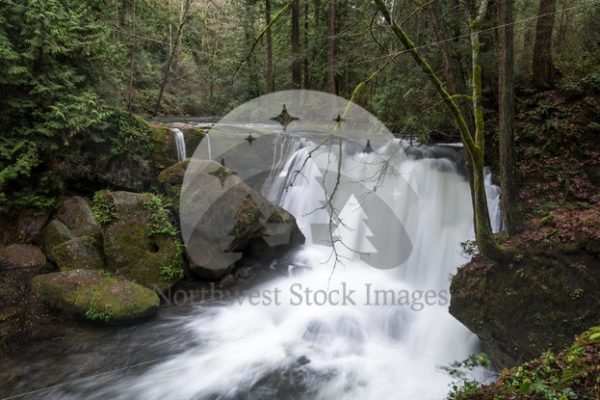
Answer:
[(209, 147), (375, 337), (180, 144)]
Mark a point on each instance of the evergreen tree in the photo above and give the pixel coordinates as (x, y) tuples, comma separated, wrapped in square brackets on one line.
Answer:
[(54, 55)]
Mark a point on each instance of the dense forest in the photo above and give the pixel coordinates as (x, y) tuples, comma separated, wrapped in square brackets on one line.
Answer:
[(95, 92)]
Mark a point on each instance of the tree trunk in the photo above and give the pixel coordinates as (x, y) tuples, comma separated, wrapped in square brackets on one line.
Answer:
[(296, 61), (543, 65), (527, 50), (330, 85), (474, 145), (451, 62), (506, 106), (132, 60), (171, 57), (270, 75), (306, 82)]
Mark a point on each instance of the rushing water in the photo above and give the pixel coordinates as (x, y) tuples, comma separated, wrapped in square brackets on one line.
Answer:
[(179, 144), (386, 342)]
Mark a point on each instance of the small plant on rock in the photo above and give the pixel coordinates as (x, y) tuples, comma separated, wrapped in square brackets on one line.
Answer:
[(103, 209)]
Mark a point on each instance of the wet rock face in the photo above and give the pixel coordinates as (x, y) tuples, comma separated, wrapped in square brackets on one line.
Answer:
[(224, 219), (95, 296), (52, 235), (131, 250), (78, 253), (21, 256), (535, 303)]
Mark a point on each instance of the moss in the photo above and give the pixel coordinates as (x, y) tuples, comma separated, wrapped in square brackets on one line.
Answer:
[(279, 217), (90, 294), (79, 253), (222, 173), (142, 241), (174, 174), (247, 217), (163, 151)]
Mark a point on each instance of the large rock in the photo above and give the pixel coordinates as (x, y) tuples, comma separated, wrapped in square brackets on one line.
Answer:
[(52, 235), (170, 180), (75, 212), (21, 256), (129, 172), (95, 296), (78, 253), (534, 303), (223, 219), (174, 174), (132, 245), (21, 227)]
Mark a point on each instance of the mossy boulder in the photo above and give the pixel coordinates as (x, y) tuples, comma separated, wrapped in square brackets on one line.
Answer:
[(21, 256), (78, 253), (95, 296), (170, 180), (140, 243), (534, 303), (52, 235), (76, 213), (223, 219), (164, 150), (174, 174)]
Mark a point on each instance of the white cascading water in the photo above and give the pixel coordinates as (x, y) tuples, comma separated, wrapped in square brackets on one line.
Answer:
[(311, 351), (179, 144)]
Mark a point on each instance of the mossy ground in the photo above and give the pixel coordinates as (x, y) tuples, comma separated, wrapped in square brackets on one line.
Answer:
[(572, 374)]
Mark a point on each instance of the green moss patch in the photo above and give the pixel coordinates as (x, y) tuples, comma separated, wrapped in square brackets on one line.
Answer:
[(95, 296)]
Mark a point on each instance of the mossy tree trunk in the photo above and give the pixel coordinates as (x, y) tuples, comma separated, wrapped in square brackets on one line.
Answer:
[(474, 144)]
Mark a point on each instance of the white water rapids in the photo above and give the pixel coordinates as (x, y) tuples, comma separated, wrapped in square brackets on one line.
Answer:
[(179, 144), (367, 350)]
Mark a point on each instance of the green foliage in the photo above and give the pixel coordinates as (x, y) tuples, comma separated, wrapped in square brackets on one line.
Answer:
[(94, 315), (460, 370), (571, 374), (53, 54), (103, 209), (105, 273), (160, 223), (128, 134), (174, 271)]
